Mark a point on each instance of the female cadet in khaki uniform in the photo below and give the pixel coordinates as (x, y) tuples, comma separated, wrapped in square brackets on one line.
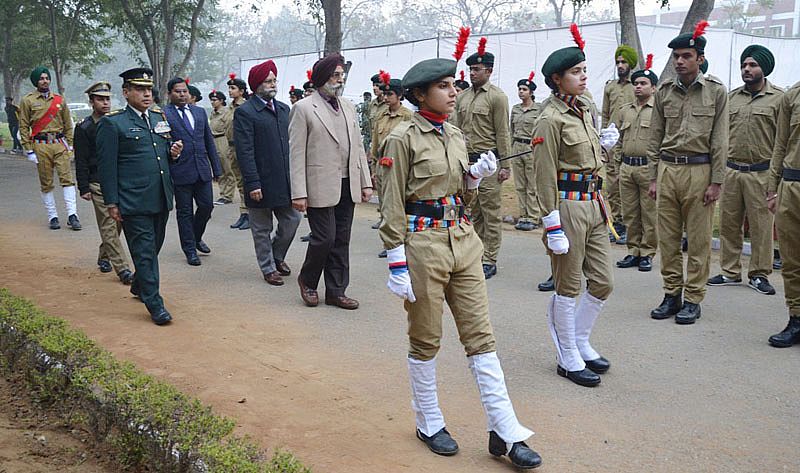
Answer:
[(425, 173), (523, 119), (567, 163)]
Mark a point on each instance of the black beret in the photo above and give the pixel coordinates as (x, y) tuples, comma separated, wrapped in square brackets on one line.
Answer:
[(487, 59), (462, 84), (376, 79), (527, 83), (427, 71), (195, 92), (216, 94), (297, 93), (686, 40), (395, 85), (647, 74), (561, 60), (308, 85)]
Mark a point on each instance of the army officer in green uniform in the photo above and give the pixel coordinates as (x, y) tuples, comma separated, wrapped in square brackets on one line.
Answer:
[(133, 147)]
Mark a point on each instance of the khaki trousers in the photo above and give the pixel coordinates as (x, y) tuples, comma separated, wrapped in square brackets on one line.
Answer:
[(611, 189), (227, 183), (445, 265), (53, 156), (638, 210), (680, 192), (486, 217), (525, 185), (237, 176), (787, 219), (744, 195), (588, 255), (110, 246)]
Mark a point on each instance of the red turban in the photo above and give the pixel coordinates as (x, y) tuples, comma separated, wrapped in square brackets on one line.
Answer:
[(259, 73), (324, 68)]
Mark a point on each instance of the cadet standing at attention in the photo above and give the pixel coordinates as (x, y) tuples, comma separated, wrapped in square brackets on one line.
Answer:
[(482, 115), (575, 220), (754, 119), (133, 147), (686, 157), (219, 124), (523, 118), (783, 197), (435, 254), (237, 90)]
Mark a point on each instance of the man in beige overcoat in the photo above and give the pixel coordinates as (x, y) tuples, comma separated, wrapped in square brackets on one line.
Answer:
[(329, 174)]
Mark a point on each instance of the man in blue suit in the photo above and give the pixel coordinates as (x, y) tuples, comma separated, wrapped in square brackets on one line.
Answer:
[(192, 173)]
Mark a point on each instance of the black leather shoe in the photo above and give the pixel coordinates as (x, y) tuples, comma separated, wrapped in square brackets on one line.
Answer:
[(377, 224), (629, 261), (242, 218), (599, 366), (193, 260), (586, 377), (54, 225), (548, 285), (126, 277), (245, 223), (160, 316), (521, 455), (440, 443), (489, 270), (104, 265), (74, 223), (670, 306), (202, 247), (688, 314), (306, 238), (789, 336), (623, 238), (382, 254), (645, 264)]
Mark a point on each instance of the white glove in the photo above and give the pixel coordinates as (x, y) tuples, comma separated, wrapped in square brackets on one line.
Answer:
[(32, 157), (399, 279), (556, 239), (609, 136), (485, 167)]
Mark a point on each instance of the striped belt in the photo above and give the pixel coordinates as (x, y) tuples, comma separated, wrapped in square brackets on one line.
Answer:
[(577, 186), (450, 206), (748, 167), (635, 160)]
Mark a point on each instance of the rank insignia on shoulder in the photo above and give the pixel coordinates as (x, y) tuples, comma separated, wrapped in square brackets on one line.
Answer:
[(386, 161), (114, 112)]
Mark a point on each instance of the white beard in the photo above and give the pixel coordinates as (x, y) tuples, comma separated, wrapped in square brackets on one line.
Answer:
[(333, 90)]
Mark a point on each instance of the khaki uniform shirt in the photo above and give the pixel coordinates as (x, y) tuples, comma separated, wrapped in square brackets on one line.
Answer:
[(787, 140), (482, 115), (523, 121), (615, 95), (384, 123), (426, 165), (690, 121), (32, 108), (634, 129), (571, 144), (754, 122), (229, 124), (375, 107), (219, 121)]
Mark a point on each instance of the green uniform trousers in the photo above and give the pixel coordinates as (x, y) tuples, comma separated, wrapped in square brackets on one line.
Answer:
[(744, 195), (237, 176), (110, 246), (525, 185), (611, 189), (53, 156), (588, 255), (445, 265), (680, 192), (486, 217), (145, 236), (638, 210), (227, 182), (787, 219)]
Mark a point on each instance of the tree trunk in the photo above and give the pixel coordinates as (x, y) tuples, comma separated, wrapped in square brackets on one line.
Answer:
[(55, 57), (700, 10), (333, 25), (558, 10), (629, 31)]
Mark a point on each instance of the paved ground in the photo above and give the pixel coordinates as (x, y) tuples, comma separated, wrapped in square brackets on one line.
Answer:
[(331, 384)]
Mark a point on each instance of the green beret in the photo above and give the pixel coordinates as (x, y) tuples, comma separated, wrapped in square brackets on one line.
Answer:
[(395, 85), (761, 55), (685, 41), (36, 74), (487, 59), (527, 83), (704, 66), (376, 79), (627, 53), (430, 70), (195, 92), (647, 74), (562, 60)]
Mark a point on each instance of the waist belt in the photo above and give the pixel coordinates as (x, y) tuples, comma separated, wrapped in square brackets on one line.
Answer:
[(748, 167), (435, 211), (574, 182), (791, 174), (48, 138), (635, 160), (523, 141), (474, 157), (219, 135), (696, 159)]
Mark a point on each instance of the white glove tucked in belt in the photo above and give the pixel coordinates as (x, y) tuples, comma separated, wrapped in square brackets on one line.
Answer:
[(556, 239), (399, 279), (609, 136)]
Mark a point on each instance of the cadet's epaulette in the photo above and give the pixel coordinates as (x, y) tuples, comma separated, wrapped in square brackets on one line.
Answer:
[(400, 129), (714, 79), (609, 81), (115, 112)]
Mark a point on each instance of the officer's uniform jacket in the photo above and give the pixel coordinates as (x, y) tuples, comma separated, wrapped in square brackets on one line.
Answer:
[(33, 107), (787, 140), (753, 124), (482, 115)]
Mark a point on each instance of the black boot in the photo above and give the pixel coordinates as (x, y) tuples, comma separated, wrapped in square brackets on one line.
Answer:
[(670, 306), (241, 220), (440, 443), (521, 455), (629, 261), (548, 285), (789, 336), (245, 222), (586, 377), (688, 314)]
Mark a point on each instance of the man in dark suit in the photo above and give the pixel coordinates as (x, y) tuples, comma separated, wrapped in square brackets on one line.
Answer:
[(133, 147), (193, 172), (261, 127)]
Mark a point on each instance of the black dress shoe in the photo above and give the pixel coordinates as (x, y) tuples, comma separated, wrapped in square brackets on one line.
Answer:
[(54, 225), (670, 306), (645, 264), (489, 270), (104, 265), (440, 443), (548, 285), (245, 223), (377, 224), (599, 366), (306, 238), (789, 336), (241, 220), (160, 316), (585, 377), (688, 314), (283, 268), (521, 455), (202, 247), (382, 254), (126, 277), (74, 223), (629, 261), (623, 238), (193, 260)]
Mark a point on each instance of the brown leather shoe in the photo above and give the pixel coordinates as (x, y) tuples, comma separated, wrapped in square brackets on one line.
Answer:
[(283, 268), (342, 301), (310, 296), (273, 279)]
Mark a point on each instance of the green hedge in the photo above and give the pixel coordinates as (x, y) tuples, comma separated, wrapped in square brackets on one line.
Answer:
[(149, 422)]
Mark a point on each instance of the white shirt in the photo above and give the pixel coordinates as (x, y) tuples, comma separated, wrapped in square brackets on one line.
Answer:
[(188, 112)]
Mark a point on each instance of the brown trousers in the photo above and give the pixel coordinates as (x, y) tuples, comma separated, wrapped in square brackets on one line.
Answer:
[(53, 157), (787, 219), (638, 210), (110, 247)]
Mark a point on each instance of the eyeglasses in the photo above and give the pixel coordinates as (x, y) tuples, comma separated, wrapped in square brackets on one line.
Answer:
[(339, 75), (270, 81)]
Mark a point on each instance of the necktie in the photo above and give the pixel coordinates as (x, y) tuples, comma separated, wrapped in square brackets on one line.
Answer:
[(186, 121), (269, 106), (146, 120)]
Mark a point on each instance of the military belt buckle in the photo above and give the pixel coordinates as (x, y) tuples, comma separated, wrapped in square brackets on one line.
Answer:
[(591, 186), (449, 212), (681, 159)]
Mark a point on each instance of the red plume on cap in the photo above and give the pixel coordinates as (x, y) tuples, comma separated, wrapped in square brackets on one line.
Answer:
[(462, 75), (649, 63), (482, 46), (308, 74), (291, 89), (699, 29), (576, 36), (461, 42), (213, 91), (530, 77), (232, 75), (187, 80), (385, 77)]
